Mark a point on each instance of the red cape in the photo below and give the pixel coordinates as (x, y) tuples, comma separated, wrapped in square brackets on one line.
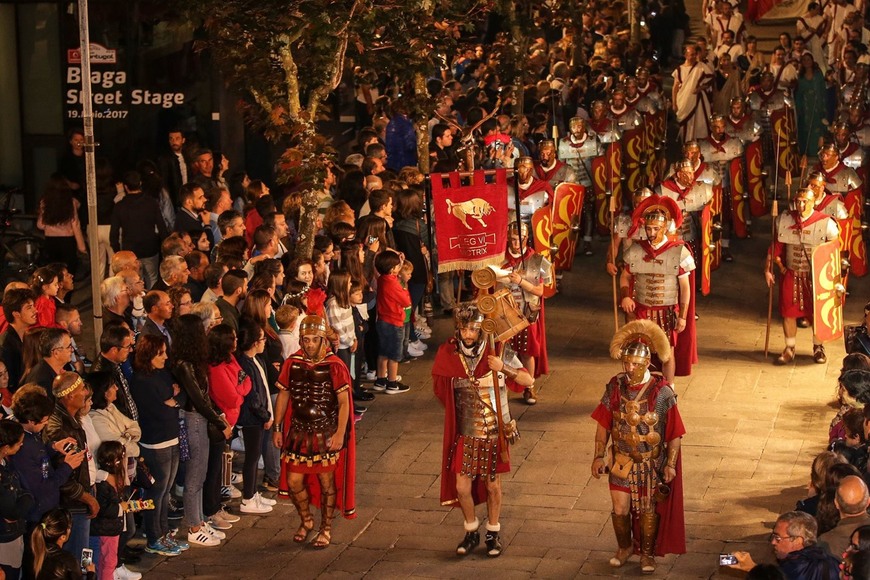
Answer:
[(446, 368), (345, 469), (672, 526)]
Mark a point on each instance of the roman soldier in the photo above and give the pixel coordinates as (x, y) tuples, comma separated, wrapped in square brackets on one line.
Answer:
[(529, 272), (765, 103), (534, 193), (623, 116), (470, 378), (577, 150), (720, 151), (605, 129), (798, 232), (655, 284), (635, 101), (741, 123), (830, 204), (848, 149), (550, 169), (638, 411), (845, 181), (314, 429), (858, 125), (647, 88), (701, 171), (691, 196), (625, 231)]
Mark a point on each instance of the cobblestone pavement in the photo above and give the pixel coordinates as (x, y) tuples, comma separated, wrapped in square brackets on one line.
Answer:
[(753, 429)]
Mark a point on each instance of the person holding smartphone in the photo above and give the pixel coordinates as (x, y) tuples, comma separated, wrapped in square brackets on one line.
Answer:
[(50, 559)]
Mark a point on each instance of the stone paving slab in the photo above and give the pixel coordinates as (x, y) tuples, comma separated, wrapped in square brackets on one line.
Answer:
[(753, 430)]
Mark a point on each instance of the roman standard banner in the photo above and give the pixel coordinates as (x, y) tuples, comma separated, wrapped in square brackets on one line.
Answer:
[(471, 220)]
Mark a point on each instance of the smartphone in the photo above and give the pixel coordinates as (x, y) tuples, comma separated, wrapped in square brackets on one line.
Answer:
[(727, 559), (70, 448), (372, 240), (87, 558)]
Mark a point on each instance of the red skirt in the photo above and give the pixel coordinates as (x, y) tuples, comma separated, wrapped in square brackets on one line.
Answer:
[(796, 296)]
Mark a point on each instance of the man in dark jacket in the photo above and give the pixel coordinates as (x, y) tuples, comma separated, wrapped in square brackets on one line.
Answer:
[(55, 348), (138, 226), (20, 312), (71, 393), (116, 344), (192, 215)]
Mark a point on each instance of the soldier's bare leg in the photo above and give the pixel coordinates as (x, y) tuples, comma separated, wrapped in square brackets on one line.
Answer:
[(328, 497), (669, 369), (300, 499), (493, 510), (529, 394), (470, 523), (789, 330)]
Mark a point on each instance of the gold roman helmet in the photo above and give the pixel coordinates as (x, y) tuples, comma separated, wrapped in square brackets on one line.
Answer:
[(315, 326), (523, 228), (468, 315), (817, 177), (636, 342), (829, 147), (525, 161), (575, 124), (716, 117), (656, 216), (806, 194), (641, 194), (547, 144)]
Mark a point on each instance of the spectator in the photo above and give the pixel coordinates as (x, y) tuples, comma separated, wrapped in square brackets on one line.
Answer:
[(181, 301), (108, 525), (818, 481), (258, 307), (58, 218), (116, 345), (65, 281), (794, 544), (216, 205), (176, 244), (231, 225), (234, 287), (125, 260), (303, 270), (173, 272), (15, 501), (213, 275), (853, 391), (69, 319), (138, 226), (52, 556), (827, 514), (116, 299), (401, 139), (158, 310), (55, 351), (209, 313), (155, 393), (197, 262), (256, 414), (227, 384), (45, 286), (70, 392), (4, 323), (190, 367), (192, 215), (851, 500), (392, 300), (853, 445)]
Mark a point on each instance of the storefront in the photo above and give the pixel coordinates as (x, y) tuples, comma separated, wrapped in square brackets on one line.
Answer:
[(147, 78)]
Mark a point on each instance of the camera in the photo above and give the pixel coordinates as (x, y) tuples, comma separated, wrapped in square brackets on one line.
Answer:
[(727, 559), (71, 448)]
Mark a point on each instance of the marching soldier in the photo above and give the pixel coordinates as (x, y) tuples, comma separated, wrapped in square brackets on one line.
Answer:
[(551, 169), (844, 181), (534, 193), (798, 232), (830, 204), (720, 150), (848, 149), (623, 116), (741, 123), (768, 102), (605, 128), (635, 100), (655, 284), (577, 149), (647, 88), (625, 231), (691, 197), (639, 411), (470, 380)]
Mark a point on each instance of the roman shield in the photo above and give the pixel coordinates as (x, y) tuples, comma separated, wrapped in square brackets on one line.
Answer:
[(739, 198), (828, 292), (606, 180), (542, 232), (755, 179), (708, 248), (566, 207)]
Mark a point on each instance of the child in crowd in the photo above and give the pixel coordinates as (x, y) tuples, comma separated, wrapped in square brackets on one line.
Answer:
[(360, 326), (392, 300), (321, 269), (45, 285), (404, 277), (340, 316), (853, 445), (287, 318), (109, 523), (50, 560)]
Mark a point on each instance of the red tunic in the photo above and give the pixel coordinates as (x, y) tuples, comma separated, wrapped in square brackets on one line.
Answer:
[(671, 538), (345, 468), (790, 298), (448, 367)]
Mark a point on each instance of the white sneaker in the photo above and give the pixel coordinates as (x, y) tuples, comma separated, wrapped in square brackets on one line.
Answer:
[(211, 531), (253, 506), (371, 375), (424, 334), (122, 573), (231, 492), (236, 478), (202, 538), (265, 500), (218, 523), (419, 344), (415, 352)]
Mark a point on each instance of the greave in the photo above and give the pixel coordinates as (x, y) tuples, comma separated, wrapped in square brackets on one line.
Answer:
[(649, 528), (622, 529)]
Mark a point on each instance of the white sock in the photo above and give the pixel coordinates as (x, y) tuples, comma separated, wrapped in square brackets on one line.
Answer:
[(471, 526), (790, 342), (493, 527)]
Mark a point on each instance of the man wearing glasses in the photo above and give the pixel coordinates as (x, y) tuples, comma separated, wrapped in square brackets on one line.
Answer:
[(116, 346), (797, 553), (55, 350)]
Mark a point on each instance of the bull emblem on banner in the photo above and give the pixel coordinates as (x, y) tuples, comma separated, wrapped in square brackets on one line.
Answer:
[(476, 208)]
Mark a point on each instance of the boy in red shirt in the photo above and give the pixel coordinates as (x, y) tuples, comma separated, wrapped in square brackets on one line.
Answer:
[(392, 301)]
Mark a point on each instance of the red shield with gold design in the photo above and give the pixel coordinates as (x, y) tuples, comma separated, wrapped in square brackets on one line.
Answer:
[(853, 241), (782, 122), (828, 292), (654, 125), (633, 142), (542, 230), (708, 248), (739, 198), (566, 207), (716, 225), (606, 180), (755, 179)]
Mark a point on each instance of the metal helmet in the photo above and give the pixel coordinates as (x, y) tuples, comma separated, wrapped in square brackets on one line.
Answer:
[(468, 315), (806, 194), (817, 177), (547, 144), (315, 326), (636, 342), (576, 123), (641, 194), (525, 160)]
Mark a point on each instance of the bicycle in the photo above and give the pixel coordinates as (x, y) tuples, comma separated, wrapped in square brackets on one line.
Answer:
[(21, 251)]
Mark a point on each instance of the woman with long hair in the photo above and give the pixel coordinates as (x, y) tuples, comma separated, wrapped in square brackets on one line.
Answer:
[(155, 393), (58, 218), (258, 307), (204, 425), (182, 302), (50, 560), (153, 185), (255, 412), (412, 239)]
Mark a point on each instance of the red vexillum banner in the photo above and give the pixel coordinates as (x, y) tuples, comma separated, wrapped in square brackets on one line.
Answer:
[(471, 219)]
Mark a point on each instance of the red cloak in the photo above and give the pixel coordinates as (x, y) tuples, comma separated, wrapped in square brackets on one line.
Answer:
[(446, 368), (671, 538), (345, 468)]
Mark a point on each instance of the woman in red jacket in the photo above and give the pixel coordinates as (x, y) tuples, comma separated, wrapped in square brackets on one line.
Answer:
[(228, 383)]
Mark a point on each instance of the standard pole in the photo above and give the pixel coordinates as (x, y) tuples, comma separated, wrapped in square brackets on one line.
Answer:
[(90, 176)]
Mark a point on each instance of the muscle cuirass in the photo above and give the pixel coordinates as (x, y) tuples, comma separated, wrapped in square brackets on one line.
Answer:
[(565, 174), (642, 105), (537, 270), (528, 204), (315, 404), (477, 407), (655, 281), (748, 132), (634, 430), (771, 103)]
